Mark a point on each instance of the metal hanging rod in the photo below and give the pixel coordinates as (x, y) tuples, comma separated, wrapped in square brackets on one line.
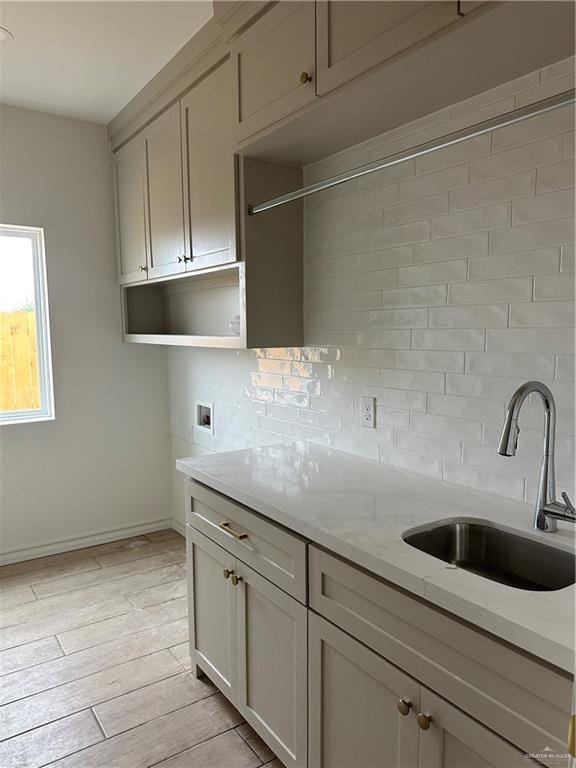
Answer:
[(508, 118)]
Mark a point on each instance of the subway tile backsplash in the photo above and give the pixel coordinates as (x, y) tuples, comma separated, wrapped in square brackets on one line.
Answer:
[(436, 287)]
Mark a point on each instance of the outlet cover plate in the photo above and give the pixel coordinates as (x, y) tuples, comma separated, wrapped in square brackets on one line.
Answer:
[(368, 412)]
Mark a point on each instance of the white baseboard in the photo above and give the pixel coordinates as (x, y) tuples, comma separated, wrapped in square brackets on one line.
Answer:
[(179, 527), (103, 537)]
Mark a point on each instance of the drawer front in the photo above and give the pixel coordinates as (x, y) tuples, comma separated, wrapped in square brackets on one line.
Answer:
[(506, 690), (271, 551)]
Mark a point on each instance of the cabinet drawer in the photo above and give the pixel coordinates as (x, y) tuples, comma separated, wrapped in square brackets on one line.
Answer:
[(276, 554), (525, 701)]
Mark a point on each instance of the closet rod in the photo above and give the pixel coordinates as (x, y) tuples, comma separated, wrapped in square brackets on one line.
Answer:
[(508, 118)]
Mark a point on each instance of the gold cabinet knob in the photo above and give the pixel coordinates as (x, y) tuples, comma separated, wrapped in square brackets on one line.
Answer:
[(228, 573), (423, 720), (181, 259), (143, 268), (236, 579), (404, 706), (305, 77)]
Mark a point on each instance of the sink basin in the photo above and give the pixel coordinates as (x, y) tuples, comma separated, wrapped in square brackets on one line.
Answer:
[(496, 553)]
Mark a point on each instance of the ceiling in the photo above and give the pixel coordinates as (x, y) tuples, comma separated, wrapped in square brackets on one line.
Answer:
[(86, 60)]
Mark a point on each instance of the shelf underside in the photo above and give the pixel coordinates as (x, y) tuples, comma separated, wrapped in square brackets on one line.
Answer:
[(181, 340)]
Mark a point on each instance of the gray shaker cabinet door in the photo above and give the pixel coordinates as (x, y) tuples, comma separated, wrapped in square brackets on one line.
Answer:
[(212, 601), (354, 720), (209, 170), (131, 198), (272, 675), (454, 740), (352, 36), (166, 207), (274, 67)]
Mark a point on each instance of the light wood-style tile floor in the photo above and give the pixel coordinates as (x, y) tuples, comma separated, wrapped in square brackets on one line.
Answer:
[(95, 671)]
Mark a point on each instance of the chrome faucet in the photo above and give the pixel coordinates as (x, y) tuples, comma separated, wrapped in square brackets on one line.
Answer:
[(548, 509)]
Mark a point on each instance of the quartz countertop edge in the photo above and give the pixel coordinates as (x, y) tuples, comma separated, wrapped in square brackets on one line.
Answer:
[(359, 509)]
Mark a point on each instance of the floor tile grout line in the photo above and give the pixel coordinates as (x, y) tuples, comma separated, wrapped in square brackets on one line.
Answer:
[(194, 746), (79, 626), (250, 747), (109, 738), (98, 567), (82, 677), (79, 554), (47, 579), (95, 586), (164, 714), (112, 579), (44, 637), (59, 646), (86, 708), (136, 559), (98, 723), (134, 609)]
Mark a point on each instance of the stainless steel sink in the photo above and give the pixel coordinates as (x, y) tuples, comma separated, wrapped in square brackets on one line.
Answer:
[(496, 553)]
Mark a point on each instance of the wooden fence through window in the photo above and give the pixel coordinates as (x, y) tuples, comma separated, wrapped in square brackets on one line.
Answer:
[(19, 384)]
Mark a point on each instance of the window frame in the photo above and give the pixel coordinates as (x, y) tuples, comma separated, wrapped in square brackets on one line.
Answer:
[(46, 411)]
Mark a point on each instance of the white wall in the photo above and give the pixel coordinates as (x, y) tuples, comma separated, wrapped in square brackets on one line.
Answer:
[(437, 287), (102, 465)]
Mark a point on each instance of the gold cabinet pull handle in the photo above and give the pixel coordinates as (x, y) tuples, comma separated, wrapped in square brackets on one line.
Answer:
[(236, 579), (228, 573), (305, 77), (227, 527), (423, 720), (404, 707)]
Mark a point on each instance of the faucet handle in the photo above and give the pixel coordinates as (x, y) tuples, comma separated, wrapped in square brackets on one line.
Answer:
[(568, 503)]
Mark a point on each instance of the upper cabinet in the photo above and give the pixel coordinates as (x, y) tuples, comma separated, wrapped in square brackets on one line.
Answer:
[(274, 71), (131, 207), (149, 202), (209, 170), (353, 36), (168, 252), (175, 187)]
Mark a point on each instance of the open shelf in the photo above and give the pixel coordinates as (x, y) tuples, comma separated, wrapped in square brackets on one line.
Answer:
[(203, 309)]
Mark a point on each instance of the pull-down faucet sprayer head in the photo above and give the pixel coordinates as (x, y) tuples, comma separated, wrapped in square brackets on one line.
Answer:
[(509, 438)]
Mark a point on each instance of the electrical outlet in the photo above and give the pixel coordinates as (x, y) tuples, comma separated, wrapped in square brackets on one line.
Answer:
[(368, 412)]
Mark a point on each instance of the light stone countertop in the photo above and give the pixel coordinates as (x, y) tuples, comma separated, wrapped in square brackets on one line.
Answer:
[(359, 509)]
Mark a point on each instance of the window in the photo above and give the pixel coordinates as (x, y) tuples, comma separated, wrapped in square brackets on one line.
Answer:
[(26, 390)]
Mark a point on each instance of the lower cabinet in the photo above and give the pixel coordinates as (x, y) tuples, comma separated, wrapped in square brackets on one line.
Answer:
[(365, 712), (250, 638), (354, 720), (367, 676), (212, 611), (452, 739)]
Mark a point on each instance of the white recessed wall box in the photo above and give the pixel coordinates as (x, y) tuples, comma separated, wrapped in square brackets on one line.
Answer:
[(204, 413)]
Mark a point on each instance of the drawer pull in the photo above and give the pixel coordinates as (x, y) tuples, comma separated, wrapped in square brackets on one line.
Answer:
[(228, 573), (236, 579), (227, 527), (305, 77), (404, 706), (423, 721)]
